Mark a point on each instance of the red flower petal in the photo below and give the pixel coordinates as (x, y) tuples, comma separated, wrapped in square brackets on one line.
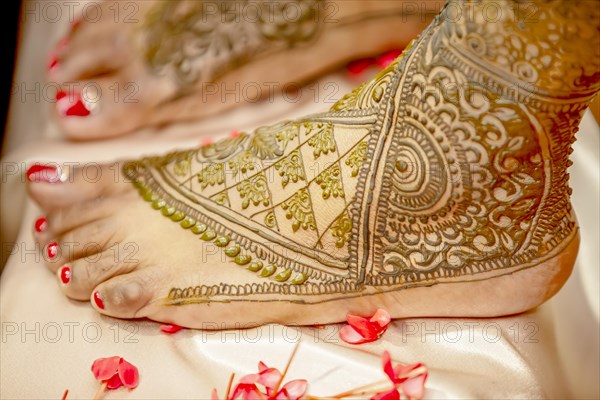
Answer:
[(391, 395), (381, 317), (248, 391), (105, 368), (170, 328), (129, 374), (386, 362), (293, 390), (349, 335), (415, 386), (363, 330), (114, 382), (363, 326)]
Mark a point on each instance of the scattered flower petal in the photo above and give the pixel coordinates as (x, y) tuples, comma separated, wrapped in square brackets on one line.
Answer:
[(410, 379), (129, 374), (116, 372), (391, 395), (170, 328), (363, 330), (293, 390), (105, 368)]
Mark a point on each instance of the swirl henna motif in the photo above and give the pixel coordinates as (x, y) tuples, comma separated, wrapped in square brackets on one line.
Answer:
[(438, 170)]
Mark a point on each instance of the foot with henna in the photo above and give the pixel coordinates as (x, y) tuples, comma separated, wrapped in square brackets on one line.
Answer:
[(438, 188)]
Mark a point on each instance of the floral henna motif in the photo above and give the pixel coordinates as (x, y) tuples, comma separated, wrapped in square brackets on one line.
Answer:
[(407, 181), (200, 40)]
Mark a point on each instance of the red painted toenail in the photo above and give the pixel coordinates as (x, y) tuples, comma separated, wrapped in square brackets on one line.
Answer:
[(52, 63), (41, 224), (43, 173), (52, 250), (65, 274), (71, 105), (98, 300)]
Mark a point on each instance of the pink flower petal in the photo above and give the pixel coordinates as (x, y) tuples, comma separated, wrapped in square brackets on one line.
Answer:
[(293, 390), (381, 317), (170, 328), (262, 366), (386, 362), (402, 371), (105, 368), (415, 386), (250, 379), (349, 335), (391, 395), (114, 382), (214, 395), (269, 378), (129, 374)]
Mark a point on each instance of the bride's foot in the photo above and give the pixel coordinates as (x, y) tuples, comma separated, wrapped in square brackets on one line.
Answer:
[(421, 192), (154, 62)]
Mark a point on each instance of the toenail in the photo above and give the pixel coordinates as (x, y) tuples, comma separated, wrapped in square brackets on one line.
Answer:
[(41, 224), (44, 173), (52, 63), (71, 105), (65, 274), (52, 250), (98, 300)]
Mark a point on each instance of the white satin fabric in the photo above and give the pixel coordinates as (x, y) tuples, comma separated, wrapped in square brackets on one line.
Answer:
[(49, 342)]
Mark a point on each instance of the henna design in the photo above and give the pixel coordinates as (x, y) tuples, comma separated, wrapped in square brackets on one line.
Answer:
[(406, 181), (201, 40)]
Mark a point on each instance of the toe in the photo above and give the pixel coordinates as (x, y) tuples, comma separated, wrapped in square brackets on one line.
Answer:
[(68, 185), (78, 278), (106, 106), (87, 241), (96, 55), (127, 296)]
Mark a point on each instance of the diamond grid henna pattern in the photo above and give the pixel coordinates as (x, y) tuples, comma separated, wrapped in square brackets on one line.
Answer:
[(405, 182)]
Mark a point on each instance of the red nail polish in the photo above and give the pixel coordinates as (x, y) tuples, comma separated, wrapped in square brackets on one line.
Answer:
[(41, 224), (71, 105), (65, 274), (52, 250), (52, 62), (43, 173), (98, 300)]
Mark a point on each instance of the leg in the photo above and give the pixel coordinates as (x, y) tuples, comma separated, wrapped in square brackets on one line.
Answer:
[(439, 188)]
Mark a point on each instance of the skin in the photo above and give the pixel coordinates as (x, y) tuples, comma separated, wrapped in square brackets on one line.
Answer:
[(455, 205), (131, 56)]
